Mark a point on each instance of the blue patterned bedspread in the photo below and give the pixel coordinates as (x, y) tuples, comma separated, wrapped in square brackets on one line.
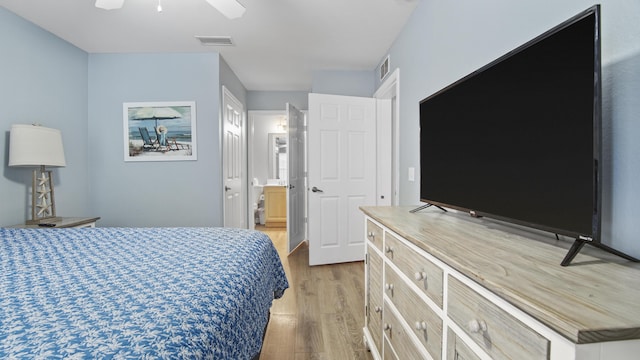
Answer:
[(127, 293)]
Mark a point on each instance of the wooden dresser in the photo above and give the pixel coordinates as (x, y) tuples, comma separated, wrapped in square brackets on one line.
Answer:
[(449, 286)]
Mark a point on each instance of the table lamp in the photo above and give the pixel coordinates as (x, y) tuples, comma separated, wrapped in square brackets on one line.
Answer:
[(35, 145)]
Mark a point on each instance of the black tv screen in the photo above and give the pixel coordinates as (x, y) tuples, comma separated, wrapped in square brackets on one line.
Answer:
[(519, 139)]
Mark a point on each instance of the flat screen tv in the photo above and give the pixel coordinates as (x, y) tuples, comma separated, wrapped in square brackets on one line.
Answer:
[(519, 139)]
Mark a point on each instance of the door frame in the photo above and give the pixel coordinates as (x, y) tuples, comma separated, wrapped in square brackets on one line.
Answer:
[(253, 114), (390, 89)]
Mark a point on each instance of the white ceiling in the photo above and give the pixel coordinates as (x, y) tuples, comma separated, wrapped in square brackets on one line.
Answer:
[(278, 43)]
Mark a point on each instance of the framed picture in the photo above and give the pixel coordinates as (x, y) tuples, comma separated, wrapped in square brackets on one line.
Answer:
[(159, 131)]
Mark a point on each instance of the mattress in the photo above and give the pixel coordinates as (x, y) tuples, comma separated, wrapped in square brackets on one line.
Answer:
[(143, 293)]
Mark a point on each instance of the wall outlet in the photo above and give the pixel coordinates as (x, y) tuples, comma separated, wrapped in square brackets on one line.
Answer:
[(412, 174)]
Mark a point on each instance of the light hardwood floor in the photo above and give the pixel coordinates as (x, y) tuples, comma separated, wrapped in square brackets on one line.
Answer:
[(321, 315)]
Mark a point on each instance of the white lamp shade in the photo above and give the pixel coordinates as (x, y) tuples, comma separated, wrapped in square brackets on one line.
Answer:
[(31, 145)]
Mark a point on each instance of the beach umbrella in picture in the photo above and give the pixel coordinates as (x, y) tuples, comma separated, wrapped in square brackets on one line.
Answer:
[(155, 113)]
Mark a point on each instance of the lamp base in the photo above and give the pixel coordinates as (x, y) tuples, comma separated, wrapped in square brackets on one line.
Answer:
[(43, 205)]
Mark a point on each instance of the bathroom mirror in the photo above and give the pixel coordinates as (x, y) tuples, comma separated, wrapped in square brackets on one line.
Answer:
[(277, 150)]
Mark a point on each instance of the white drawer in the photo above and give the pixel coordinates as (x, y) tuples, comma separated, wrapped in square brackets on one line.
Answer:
[(398, 337), (426, 325), (422, 272), (374, 234), (374, 316), (457, 349), (498, 333), (388, 352)]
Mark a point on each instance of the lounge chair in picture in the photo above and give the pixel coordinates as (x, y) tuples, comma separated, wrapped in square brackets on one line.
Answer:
[(146, 138)]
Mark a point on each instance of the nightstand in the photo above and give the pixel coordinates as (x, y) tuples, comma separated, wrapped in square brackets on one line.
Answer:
[(64, 222)]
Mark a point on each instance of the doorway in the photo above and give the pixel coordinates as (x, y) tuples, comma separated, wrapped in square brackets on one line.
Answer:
[(267, 160)]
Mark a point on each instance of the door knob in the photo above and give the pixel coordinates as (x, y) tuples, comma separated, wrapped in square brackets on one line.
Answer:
[(315, 189), (226, 188)]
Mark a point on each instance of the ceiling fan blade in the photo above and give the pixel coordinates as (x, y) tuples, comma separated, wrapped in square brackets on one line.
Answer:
[(109, 4), (229, 8)]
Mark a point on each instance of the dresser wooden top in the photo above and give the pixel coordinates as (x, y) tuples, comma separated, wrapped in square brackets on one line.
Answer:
[(595, 299)]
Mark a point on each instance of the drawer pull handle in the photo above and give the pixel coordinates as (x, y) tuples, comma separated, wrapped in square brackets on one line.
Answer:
[(378, 309), (389, 287), (420, 275), (476, 326), (421, 325), (371, 235), (389, 249), (387, 327)]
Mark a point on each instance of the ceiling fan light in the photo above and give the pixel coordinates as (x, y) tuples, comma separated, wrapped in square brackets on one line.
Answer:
[(229, 8), (109, 4)]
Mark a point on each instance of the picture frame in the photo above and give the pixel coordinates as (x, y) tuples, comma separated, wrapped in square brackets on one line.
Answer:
[(159, 131)]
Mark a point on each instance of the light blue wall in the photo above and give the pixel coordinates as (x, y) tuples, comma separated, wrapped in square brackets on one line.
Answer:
[(348, 83), (172, 193), (444, 41), (276, 100), (47, 80), (42, 80), (229, 79), (335, 82)]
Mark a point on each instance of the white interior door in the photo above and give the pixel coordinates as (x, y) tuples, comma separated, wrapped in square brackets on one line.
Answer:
[(233, 159), (296, 195), (342, 175)]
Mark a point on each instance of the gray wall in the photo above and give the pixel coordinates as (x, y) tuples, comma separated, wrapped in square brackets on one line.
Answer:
[(347, 83), (229, 79), (42, 80), (170, 193), (276, 100), (444, 41), (335, 82), (49, 81)]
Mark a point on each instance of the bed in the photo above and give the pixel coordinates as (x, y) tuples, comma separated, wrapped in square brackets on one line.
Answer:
[(136, 293)]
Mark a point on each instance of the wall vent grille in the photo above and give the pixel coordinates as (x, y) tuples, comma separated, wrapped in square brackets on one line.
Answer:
[(384, 68), (215, 40)]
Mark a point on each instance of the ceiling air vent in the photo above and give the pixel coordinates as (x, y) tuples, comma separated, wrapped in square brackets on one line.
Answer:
[(384, 68), (215, 40)]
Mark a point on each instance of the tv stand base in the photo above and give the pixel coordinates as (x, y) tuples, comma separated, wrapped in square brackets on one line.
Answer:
[(579, 243), (426, 206)]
